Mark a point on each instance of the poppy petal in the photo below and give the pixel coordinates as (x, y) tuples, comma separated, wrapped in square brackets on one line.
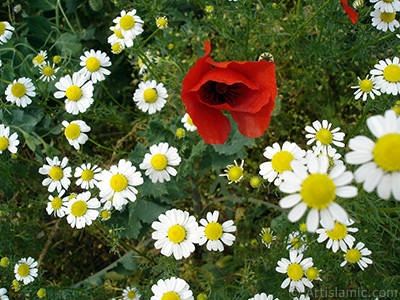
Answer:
[(350, 12)]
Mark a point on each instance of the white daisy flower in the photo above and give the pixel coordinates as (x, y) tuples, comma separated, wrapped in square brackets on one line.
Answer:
[(280, 160), (234, 172), (144, 65), (130, 293), (295, 268), (17, 92), (388, 6), (75, 132), (82, 210), (215, 234), (47, 70), (56, 205), (384, 20), (86, 174), (118, 38), (25, 270), (150, 97), (338, 237), (380, 160), (267, 236), (1, 63), (78, 93), (17, 8), (129, 24), (40, 58), (296, 241), (323, 135), (388, 75), (302, 297), (58, 174), (366, 87), (160, 161), (117, 48), (5, 32), (172, 288), (357, 255), (315, 189), (162, 22), (7, 141), (188, 123), (263, 296), (330, 152), (119, 183), (176, 233), (3, 295), (93, 63)]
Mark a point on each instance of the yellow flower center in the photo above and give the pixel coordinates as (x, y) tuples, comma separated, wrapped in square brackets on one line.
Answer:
[(387, 1), (105, 214), (71, 196), (23, 270), (4, 262), (72, 131), (18, 90), (324, 136), (387, 152), (162, 23), (56, 203), (190, 121), (318, 190), (267, 238), (312, 273), (2, 28), (48, 71), (170, 296), (281, 161), (57, 59), (176, 233), (118, 33), (180, 132), (56, 173), (213, 231), (73, 93), (353, 256), (79, 208), (127, 22), (3, 143), (117, 48), (92, 64), (388, 17), (118, 182), (16, 285), (295, 272), (366, 85), (295, 243), (235, 173), (338, 233), (39, 59), (87, 175), (303, 227), (159, 162), (140, 62), (41, 293), (150, 95), (255, 182), (392, 73), (131, 295)]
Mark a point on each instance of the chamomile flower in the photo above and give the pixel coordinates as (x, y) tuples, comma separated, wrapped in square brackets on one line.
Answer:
[(48, 72), (7, 141), (366, 87), (188, 123), (302, 297), (357, 255), (295, 268), (312, 273), (25, 270), (388, 75), (119, 183), (150, 97), (175, 233), (117, 37), (105, 214), (75, 132), (117, 48), (82, 210), (330, 152), (129, 24), (215, 234), (384, 20), (56, 205), (58, 173), (389, 6), (322, 134), (41, 293), (267, 236), (78, 93), (130, 293), (263, 296), (339, 237), (280, 160), (94, 63), (172, 289), (17, 92), (314, 188), (5, 32), (17, 8), (144, 64), (40, 58), (160, 161), (3, 295), (162, 22), (296, 241), (234, 172), (86, 176), (379, 160)]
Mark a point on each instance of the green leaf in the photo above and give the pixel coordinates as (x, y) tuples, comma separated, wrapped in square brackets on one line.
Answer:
[(68, 45), (235, 143), (149, 188), (138, 154), (87, 33), (72, 5), (39, 30), (44, 5), (126, 265), (157, 132), (148, 211)]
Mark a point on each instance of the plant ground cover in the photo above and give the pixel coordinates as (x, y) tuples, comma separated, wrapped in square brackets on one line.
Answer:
[(112, 120)]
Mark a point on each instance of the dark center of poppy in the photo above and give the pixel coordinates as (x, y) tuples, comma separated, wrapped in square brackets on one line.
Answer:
[(221, 88), (216, 93)]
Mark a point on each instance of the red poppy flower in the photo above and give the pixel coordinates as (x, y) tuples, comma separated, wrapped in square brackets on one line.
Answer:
[(246, 89), (350, 12)]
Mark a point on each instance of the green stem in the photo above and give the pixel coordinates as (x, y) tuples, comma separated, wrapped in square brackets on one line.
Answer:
[(24, 61), (298, 7), (360, 121), (113, 150), (65, 16), (374, 42), (27, 160), (113, 99)]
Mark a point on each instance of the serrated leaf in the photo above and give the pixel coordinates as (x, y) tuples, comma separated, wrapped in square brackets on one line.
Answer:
[(149, 188), (72, 5), (148, 211), (88, 33), (44, 5), (126, 265), (235, 144), (39, 29), (68, 45), (157, 132), (198, 149), (138, 153)]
